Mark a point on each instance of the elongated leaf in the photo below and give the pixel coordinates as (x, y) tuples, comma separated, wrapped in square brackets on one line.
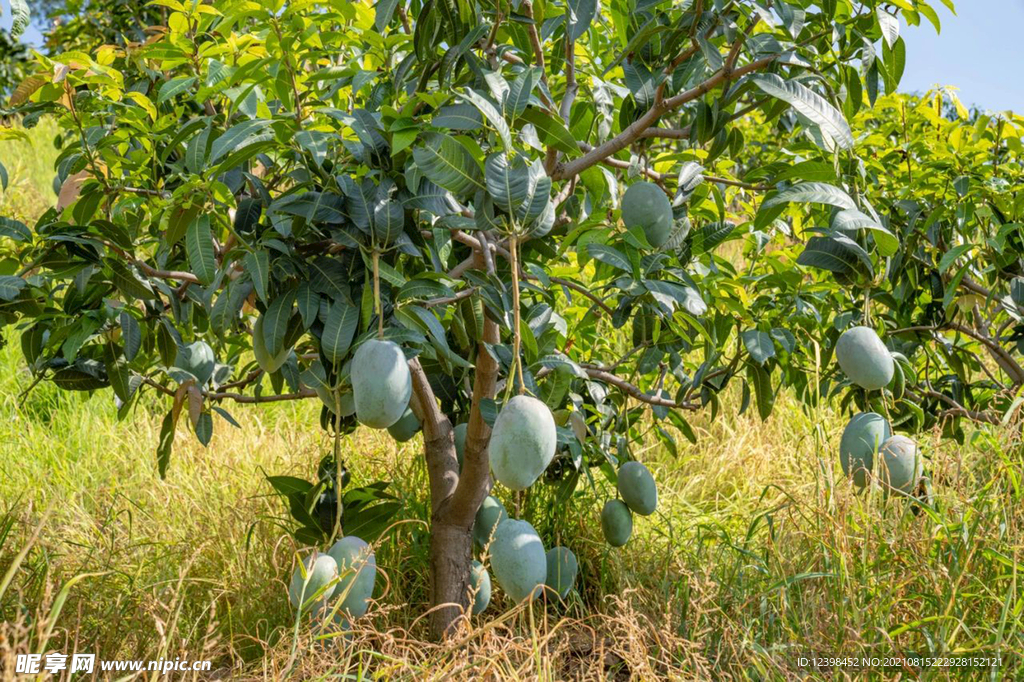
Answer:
[(609, 255), (810, 104), (461, 116), (491, 113), (131, 336), (127, 282), (518, 94), (238, 136), (552, 131), (447, 163), (759, 345), (10, 287), (580, 14), (384, 11), (275, 322), (339, 330), (20, 18), (257, 264), (173, 87), (199, 247), (829, 253), (951, 256), (163, 450), (850, 220), (811, 193), (508, 180), (763, 393), (890, 26)]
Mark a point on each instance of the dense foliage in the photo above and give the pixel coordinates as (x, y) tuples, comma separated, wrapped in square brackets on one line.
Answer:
[(322, 173)]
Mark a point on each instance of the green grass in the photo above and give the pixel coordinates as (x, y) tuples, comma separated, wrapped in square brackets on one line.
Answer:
[(760, 550)]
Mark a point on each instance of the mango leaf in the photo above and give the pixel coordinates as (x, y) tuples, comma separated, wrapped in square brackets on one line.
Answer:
[(461, 116), (849, 220), (810, 104), (275, 322), (552, 131), (508, 180), (839, 255), (20, 17), (238, 136), (580, 14), (339, 330), (759, 345), (518, 94), (811, 193), (131, 336), (447, 163), (385, 9), (490, 112), (10, 287), (174, 86), (199, 247), (890, 26), (257, 264)]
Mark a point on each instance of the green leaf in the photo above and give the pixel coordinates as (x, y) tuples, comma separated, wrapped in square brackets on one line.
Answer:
[(20, 17), (508, 180), (131, 335), (890, 26), (385, 9), (173, 87), (275, 322), (163, 449), (491, 113), (308, 301), (834, 254), (447, 163), (952, 256), (580, 14), (763, 393), (10, 287), (127, 282), (609, 255), (552, 131), (461, 116), (849, 220), (257, 264), (759, 345), (339, 330), (810, 104), (517, 97), (199, 247), (811, 193), (238, 136)]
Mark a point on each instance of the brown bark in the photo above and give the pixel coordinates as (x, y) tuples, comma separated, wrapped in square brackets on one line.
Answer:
[(454, 500)]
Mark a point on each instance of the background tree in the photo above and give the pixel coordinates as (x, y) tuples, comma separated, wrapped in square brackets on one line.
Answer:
[(298, 180)]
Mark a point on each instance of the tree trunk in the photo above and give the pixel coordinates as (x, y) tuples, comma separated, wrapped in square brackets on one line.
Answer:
[(451, 559)]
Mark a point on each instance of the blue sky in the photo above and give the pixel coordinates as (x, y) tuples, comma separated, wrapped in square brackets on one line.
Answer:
[(980, 51)]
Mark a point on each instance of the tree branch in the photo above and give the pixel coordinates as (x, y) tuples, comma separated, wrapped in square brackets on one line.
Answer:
[(475, 480), (651, 116), (628, 388), (439, 441)]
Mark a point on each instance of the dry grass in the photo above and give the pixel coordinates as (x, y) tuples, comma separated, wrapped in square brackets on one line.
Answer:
[(759, 551)]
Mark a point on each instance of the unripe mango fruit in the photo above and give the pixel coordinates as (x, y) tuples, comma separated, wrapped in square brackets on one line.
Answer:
[(864, 358), (381, 383), (522, 443), (636, 485), (518, 559)]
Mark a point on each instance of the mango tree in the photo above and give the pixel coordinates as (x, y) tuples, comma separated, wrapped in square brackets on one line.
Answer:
[(262, 190)]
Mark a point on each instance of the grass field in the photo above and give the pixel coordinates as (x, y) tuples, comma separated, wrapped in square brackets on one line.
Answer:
[(760, 551)]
